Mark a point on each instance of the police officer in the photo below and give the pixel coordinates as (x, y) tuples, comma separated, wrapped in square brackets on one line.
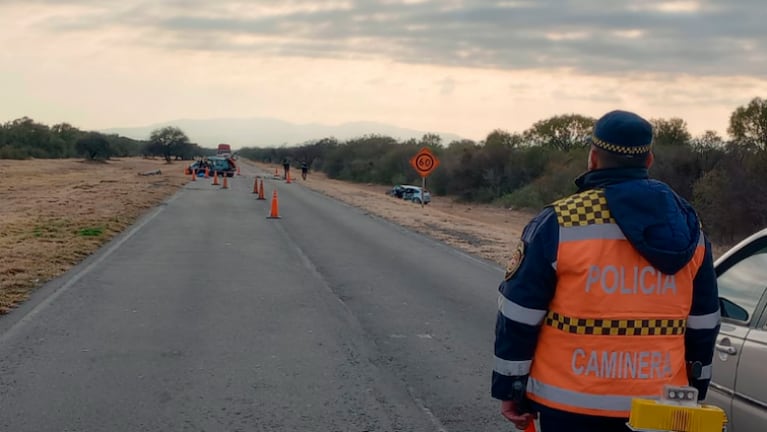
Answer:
[(609, 295)]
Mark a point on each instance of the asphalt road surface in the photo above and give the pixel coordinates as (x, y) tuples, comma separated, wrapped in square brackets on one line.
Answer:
[(207, 316)]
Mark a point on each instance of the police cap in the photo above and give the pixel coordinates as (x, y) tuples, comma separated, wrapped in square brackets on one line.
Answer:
[(623, 133)]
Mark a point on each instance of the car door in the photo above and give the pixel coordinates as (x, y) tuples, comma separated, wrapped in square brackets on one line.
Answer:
[(742, 281), (749, 406)]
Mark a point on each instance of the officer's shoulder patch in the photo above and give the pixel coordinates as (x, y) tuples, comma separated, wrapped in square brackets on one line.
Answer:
[(516, 260)]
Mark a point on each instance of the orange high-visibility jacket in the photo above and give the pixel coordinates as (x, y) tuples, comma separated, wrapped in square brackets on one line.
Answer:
[(615, 327)]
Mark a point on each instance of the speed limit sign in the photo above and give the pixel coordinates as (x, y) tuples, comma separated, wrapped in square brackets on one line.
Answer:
[(424, 162)]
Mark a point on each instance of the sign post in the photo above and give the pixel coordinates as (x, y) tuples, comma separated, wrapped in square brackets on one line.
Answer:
[(424, 163)]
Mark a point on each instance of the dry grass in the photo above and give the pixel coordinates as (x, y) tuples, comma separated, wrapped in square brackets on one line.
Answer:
[(55, 213)]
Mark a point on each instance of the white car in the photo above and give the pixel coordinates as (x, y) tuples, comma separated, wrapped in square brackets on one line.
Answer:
[(739, 381), (410, 193)]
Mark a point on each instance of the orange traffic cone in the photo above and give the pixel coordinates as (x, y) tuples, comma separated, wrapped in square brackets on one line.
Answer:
[(238, 170), (531, 427), (287, 177), (207, 172), (194, 175), (275, 213), (255, 186), (215, 178), (261, 196), (226, 183)]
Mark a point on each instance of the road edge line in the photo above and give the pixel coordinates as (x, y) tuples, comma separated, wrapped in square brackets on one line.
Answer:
[(111, 247)]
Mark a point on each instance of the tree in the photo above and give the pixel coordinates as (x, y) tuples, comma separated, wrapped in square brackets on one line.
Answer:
[(748, 124), (188, 151), (93, 146), (563, 132), (431, 140), (732, 198), (500, 138), (32, 139), (121, 146), (679, 166), (167, 142), (710, 149), (308, 153), (461, 146), (709, 139), (66, 132), (671, 132), (496, 164)]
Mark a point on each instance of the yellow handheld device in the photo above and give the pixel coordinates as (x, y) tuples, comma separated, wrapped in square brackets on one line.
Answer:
[(677, 411)]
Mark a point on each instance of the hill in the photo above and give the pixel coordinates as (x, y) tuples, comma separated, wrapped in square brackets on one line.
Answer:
[(267, 132)]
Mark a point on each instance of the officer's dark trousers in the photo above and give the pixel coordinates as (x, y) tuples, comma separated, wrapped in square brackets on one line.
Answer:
[(560, 421)]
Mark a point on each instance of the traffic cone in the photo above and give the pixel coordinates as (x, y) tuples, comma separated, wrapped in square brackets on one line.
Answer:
[(215, 178), (276, 172), (207, 172), (531, 427), (275, 213), (255, 186), (194, 175), (226, 183), (238, 170), (261, 196), (287, 177)]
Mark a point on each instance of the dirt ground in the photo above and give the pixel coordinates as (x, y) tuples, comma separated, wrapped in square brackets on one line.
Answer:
[(55, 213)]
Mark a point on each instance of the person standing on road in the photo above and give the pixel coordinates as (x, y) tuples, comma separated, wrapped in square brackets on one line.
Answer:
[(304, 169), (285, 168), (610, 294)]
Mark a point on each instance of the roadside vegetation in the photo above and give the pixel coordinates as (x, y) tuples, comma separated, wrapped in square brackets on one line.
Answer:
[(724, 179), (25, 138), (52, 220), (67, 191)]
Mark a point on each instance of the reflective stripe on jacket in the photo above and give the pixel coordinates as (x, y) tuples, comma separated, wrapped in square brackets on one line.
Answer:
[(615, 326)]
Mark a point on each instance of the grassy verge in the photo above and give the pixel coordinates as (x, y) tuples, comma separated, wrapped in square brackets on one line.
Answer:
[(55, 213)]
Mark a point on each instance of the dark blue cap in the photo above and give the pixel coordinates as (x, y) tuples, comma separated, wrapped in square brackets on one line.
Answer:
[(622, 132)]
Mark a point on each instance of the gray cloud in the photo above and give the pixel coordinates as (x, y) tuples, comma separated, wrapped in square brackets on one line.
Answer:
[(718, 37)]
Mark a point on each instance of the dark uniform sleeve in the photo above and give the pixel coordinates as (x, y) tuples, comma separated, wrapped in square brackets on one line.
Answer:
[(523, 303), (703, 323)]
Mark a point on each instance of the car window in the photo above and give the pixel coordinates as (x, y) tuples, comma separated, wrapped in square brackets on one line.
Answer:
[(741, 286)]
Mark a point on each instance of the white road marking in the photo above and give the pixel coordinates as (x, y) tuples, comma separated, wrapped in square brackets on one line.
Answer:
[(17, 326)]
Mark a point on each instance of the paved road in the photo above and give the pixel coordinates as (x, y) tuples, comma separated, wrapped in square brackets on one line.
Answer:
[(206, 316)]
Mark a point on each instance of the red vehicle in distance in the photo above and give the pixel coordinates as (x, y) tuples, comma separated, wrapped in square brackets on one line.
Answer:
[(224, 150)]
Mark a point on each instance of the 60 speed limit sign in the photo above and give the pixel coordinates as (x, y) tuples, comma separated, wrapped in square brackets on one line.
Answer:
[(424, 162)]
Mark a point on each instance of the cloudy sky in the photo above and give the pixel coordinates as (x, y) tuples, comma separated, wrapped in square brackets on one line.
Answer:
[(460, 66)]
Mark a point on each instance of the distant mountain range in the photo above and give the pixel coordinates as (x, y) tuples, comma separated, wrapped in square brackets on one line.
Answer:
[(267, 132)]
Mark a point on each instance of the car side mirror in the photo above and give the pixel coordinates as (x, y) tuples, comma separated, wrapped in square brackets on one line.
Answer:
[(731, 310)]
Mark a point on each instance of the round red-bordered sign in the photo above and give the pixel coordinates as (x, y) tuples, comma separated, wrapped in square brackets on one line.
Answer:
[(424, 162)]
